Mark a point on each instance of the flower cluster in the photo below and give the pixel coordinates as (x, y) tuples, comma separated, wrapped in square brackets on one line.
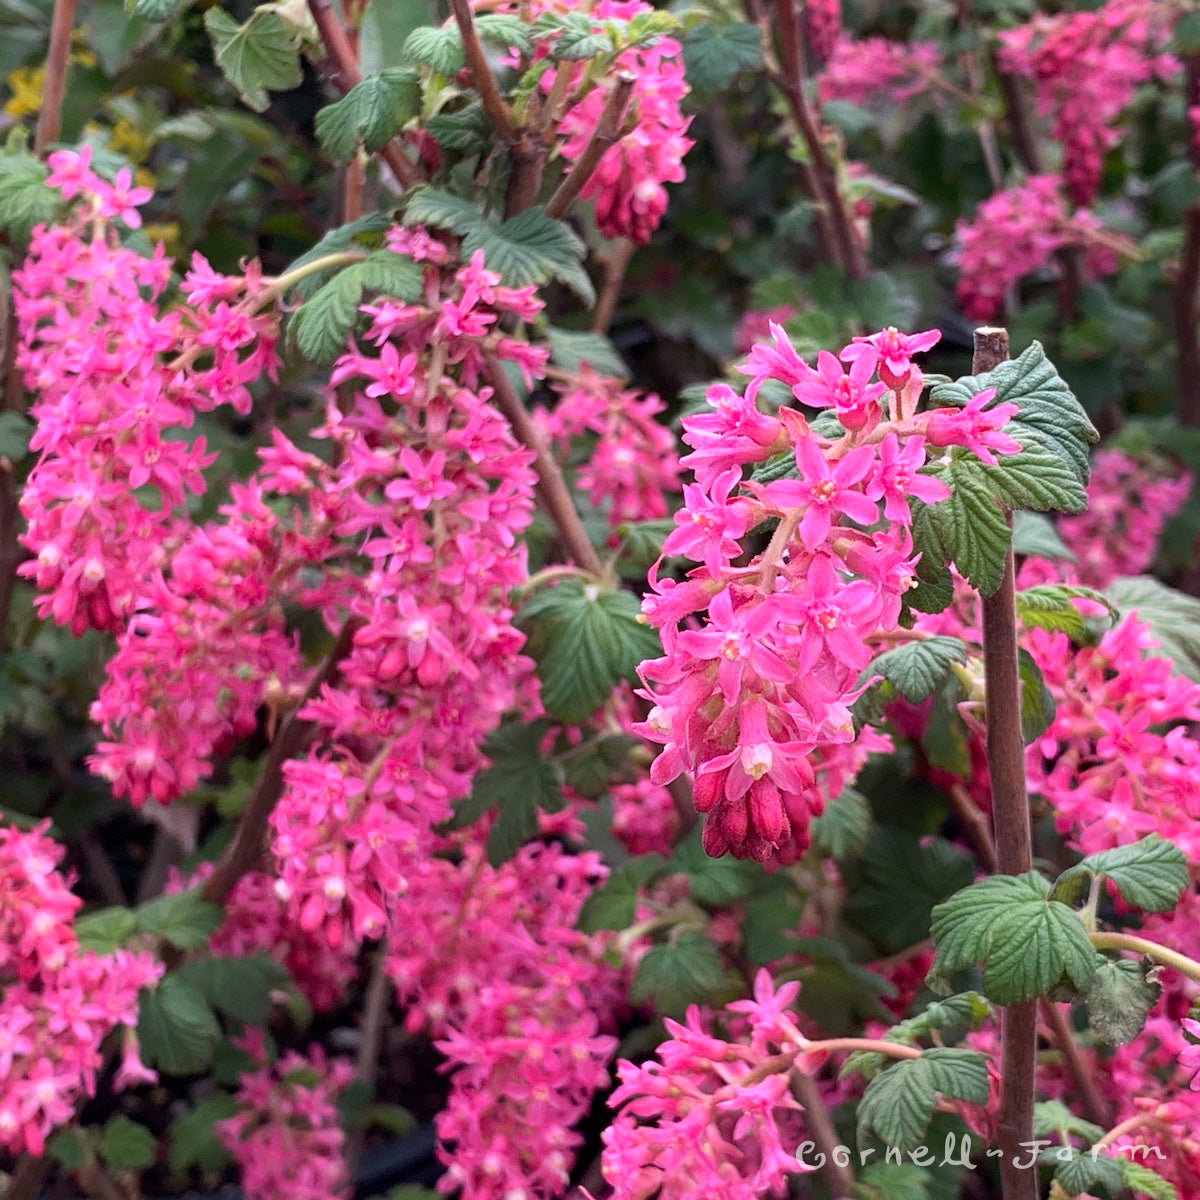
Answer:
[(116, 379), (1119, 760), (743, 698), (822, 27), (58, 1004), (714, 1116), (287, 1140), (1085, 68), (631, 463), (1128, 504), (1017, 232), (429, 484), (863, 70), (493, 967)]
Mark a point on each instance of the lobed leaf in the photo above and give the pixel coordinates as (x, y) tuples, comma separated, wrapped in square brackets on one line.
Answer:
[(371, 113), (257, 57)]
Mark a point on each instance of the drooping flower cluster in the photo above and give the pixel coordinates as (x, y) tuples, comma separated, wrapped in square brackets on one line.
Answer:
[(115, 379), (743, 699), (822, 27), (287, 1140), (628, 185), (428, 483), (493, 967), (1017, 232), (864, 70), (631, 464), (1129, 502), (57, 1005), (714, 1115), (1119, 760), (1085, 68)]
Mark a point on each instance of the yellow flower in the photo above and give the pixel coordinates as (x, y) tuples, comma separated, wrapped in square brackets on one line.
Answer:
[(26, 85), (125, 138), (167, 232)]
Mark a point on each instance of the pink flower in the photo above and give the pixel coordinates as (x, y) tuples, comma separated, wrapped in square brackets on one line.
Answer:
[(855, 400), (895, 351), (823, 491), (975, 426), (897, 477)]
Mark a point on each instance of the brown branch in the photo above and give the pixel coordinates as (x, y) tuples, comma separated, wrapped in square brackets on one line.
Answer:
[(552, 488), (615, 265), (1013, 835), (975, 826), (848, 251), (344, 65), (606, 134), (375, 1010), (1019, 125), (27, 1178), (49, 121), (1186, 298), (243, 852), (1063, 1037), (494, 104), (838, 1178)]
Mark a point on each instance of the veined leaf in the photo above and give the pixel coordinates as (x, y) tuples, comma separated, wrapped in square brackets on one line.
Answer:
[(256, 57), (372, 113)]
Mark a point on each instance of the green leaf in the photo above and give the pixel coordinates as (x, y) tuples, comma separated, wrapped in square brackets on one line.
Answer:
[(128, 1146), (714, 881), (1118, 1000), (1048, 412), (1084, 1172), (572, 350), (194, 1142), (584, 641), (685, 971), (372, 112), (505, 30), (898, 1103), (440, 49), (15, 432), (69, 1148), (465, 129), (176, 1027), (25, 200), (770, 914), (256, 57), (365, 233), (525, 250), (1173, 617), (592, 766), (322, 323), (531, 248), (915, 669), (574, 36), (1027, 943), (612, 905), (1138, 1178), (1150, 874), (1034, 535), (158, 10), (519, 770), (1049, 606), (1036, 478), (892, 1181), (964, 1010), (897, 882), (1054, 1117), (106, 930), (968, 528), (713, 58), (945, 739), (844, 828), (641, 541), (186, 920), (516, 824), (239, 987), (1037, 701)]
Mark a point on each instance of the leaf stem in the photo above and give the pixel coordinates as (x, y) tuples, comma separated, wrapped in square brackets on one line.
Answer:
[(1152, 950), (552, 488), (243, 851)]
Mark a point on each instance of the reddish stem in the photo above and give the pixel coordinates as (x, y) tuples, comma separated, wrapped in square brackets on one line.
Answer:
[(606, 133), (49, 122)]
